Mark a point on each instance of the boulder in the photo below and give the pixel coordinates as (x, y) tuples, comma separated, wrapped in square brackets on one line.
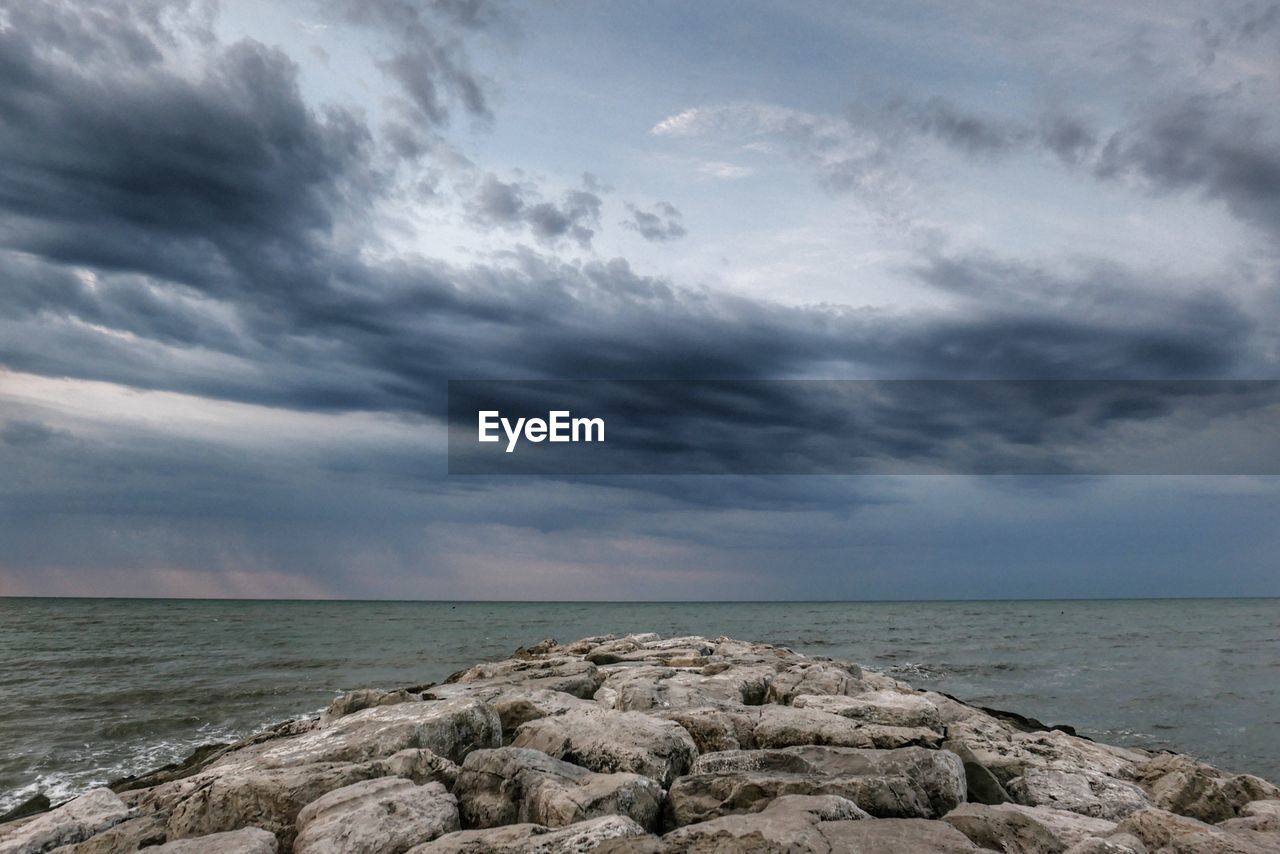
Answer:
[(1116, 843), (129, 835), (246, 840), (784, 726), (644, 688), (388, 815), (512, 784), (231, 797), (1085, 792), (569, 674), (450, 728), (1007, 752), (791, 823), (1258, 815), (715, 729), (814, 678), (72, 822), (1184, 786), (890, 708), (937, 775), (1167, 833), (534, 838), (912, 782), (1025, 830), (363, 698), (605, 741), (896, 836)]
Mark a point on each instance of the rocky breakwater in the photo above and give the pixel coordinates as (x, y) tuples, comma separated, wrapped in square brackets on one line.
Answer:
[(645, 745)]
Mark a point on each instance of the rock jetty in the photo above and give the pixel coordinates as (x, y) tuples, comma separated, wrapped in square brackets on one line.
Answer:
[(646, 745)]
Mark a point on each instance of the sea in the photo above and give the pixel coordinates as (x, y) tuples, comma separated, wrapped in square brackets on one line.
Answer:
[(95, 689)]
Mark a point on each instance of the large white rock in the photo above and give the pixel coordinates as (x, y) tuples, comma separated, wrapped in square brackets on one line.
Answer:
[(1085, 792), (383, 816), (534, 838), (74, 821), (246, 840), (605, 741)]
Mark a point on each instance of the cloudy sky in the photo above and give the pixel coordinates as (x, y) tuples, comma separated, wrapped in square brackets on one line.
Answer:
[(244, 246)]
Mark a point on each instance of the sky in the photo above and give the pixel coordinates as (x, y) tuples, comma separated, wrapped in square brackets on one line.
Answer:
[(245, 245)]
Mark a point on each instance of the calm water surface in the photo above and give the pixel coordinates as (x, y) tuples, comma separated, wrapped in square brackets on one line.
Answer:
[(93, 689)]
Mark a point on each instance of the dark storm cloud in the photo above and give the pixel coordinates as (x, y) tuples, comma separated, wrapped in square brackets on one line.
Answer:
[(664, 223), (179, 233), (519, 204), (969, 132)]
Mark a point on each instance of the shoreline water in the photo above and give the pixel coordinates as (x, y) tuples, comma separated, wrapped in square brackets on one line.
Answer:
[(168, 675), (652, 745)]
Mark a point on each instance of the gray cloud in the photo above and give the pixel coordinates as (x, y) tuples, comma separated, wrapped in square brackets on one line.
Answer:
[(520, 204), (664, 223)]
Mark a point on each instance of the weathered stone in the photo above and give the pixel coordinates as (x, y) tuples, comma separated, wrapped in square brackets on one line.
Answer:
[(1258, 815), (129, 835), (1025, 830), (650, 687), (382, 816), (606, 741), (1084, 792), (1164, 832), (1182, 785), (790, 823), (569, 674), (246, 840), (911, 782), (74, 821), (1007, 752), (784, 726), (715, 729), (450, 728), (1116, 843), (813, 678), (513, 784), (534, 838), (896, 836), (363, 698), (890, 708)]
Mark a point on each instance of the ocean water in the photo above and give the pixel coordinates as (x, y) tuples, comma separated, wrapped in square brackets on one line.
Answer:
[(93, 689)]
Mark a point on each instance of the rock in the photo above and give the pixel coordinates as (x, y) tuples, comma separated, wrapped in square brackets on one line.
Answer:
[(936, 774), (1008, 752), (1085, 792), (813, 678), (896, 836), (450, 728), (567, 673), (638, 689), (37, 803), (1117, 843), (247, 840), (890, 708), (364, 698), (74, 821), (981, 786), (715, 729), (1025, 830), (911, 782), (783, 726), (382, 816), (518, 707), (231, 797), (1164, 832), (790, 823), (533, 838), (1257, 815), (1184, 786), (513, 784), (606, 741), (129, 835)]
